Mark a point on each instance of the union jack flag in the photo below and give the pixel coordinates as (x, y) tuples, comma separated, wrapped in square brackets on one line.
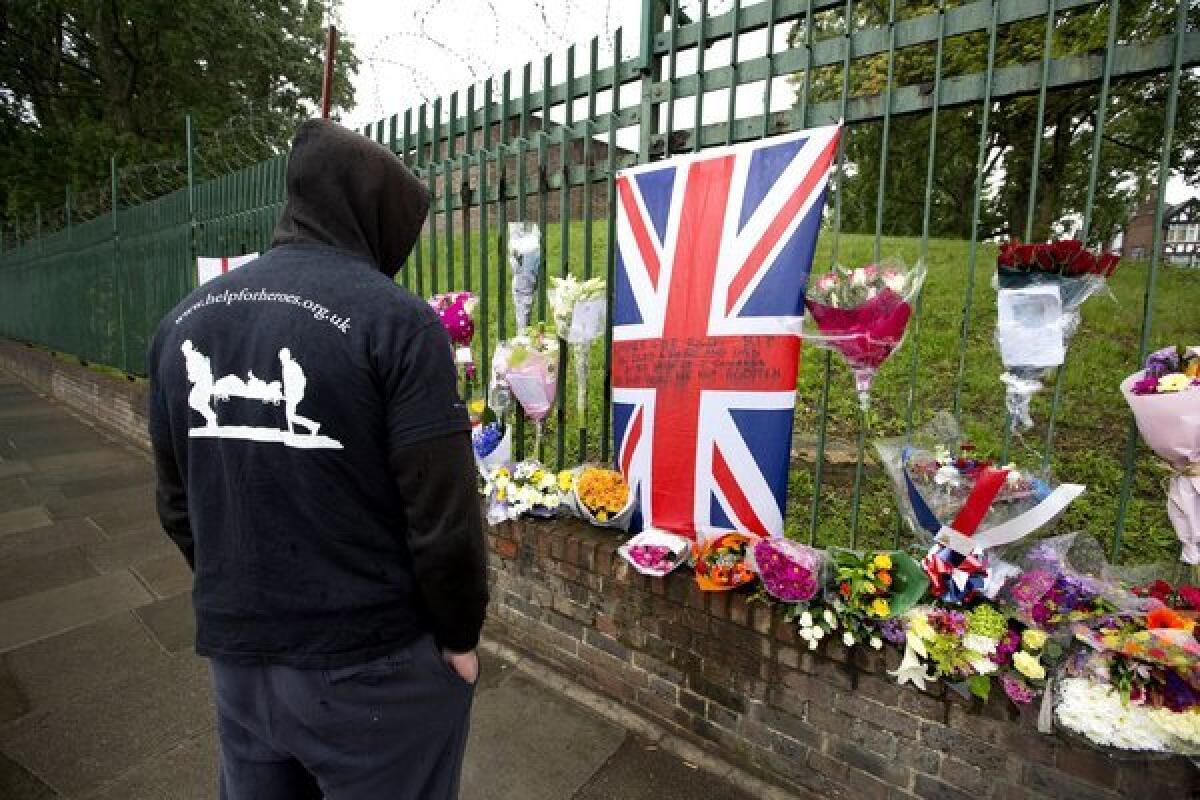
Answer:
[(713, 255)]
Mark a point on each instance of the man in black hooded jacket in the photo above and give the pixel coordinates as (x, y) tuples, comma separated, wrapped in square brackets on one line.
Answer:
[(315, 469)]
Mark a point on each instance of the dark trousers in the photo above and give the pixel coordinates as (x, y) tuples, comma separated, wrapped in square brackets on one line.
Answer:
[(394, 728)]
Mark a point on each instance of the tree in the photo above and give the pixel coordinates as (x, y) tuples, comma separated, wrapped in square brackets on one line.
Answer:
[(85, 80), (1129, 155)]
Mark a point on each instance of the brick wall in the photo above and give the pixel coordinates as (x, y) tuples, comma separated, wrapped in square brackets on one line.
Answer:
[(117, 404), (729, 673)]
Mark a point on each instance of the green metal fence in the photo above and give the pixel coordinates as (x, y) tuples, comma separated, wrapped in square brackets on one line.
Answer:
[(544, 142)]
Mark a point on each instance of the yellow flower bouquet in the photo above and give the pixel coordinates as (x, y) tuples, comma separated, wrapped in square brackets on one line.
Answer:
[(602, 497)]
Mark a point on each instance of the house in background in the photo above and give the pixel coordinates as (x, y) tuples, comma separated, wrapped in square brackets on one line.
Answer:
[(1180, 234)]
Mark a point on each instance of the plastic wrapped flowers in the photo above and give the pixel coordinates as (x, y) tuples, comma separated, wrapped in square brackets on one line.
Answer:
[(603, 497), (876, 585), (862, 314), (525, 261), (655, 553), (525, 488), (1040, 289), (1165, 399), (456, 310), (722, 563), (579, 311), (789, 571), (966, 506), (526, 366)]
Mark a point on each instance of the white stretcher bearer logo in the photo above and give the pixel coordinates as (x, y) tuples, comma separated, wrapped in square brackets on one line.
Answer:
[(208, 392)]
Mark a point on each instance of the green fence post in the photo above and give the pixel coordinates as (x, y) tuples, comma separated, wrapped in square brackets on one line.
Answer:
[(116, 267), (67, 212), (652, 24), (193, 279)]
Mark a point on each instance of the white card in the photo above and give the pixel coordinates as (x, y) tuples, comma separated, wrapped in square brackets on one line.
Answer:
[(1030, 327), (462, 355), (587, 321)]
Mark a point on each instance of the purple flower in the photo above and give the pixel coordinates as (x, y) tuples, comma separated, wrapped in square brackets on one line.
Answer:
[(1161, 362), (1148, 384), (892, 630), (1177, 694), (1017, 690), (1009, 644), (947, 621)]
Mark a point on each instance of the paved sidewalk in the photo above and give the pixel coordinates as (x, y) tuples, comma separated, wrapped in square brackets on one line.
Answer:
[(102, 698)]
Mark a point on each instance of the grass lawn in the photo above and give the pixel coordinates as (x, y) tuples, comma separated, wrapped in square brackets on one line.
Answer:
[(1092, 424)]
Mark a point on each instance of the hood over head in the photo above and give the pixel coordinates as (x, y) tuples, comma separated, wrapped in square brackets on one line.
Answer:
[(347, 191)]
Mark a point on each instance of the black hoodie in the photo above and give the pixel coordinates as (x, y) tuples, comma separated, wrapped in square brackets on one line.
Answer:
[(314, 460)]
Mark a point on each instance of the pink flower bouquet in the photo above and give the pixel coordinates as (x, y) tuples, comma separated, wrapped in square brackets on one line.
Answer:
[(862, 314), (528, 366), (456, 310), (1165, 399), (790, 571)]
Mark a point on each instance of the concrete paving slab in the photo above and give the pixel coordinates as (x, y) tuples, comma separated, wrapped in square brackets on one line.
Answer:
[(93, 658), (167, 575), (528, 743), (18, 783), (38, 616), (85, 458), (124, 520), (33, 574), (47, 539), (23, 519), (639, 770), (96, 739), (16, 493), (133, 476), (13, 467), (14, 704), (55, 444), (172, 622), (135, 500), (185, 772), (131, 548)]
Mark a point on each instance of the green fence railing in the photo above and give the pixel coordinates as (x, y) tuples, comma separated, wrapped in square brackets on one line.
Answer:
[(949, 106)]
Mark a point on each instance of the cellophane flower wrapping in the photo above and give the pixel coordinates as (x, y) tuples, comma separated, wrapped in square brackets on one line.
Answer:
[(526, 366), (1169, 423), (602, 497), (934, 476), (877, 584), (1040, 289), (579, 309), (862, 315), (654, 552), (1064, 580), (492, 443), (456, 310), (525, 263), (525, 488), (789, 571), (722, 562), (1097, 711)]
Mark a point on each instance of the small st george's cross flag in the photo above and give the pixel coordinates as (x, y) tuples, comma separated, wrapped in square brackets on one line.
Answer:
[(713, 255)]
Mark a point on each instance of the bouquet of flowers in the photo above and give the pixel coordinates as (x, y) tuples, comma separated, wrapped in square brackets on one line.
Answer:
[(722, 563), (789, 571), (603, 497), (1165, 399), (655, 553), (814, 623), (1138, 685), (1061, 582), (1040, 289), (877, 585), (525, 488), (966, 506), (578, 308), (526, 366), (456, 310), (492, 442), (525, 261), (862, 314)]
